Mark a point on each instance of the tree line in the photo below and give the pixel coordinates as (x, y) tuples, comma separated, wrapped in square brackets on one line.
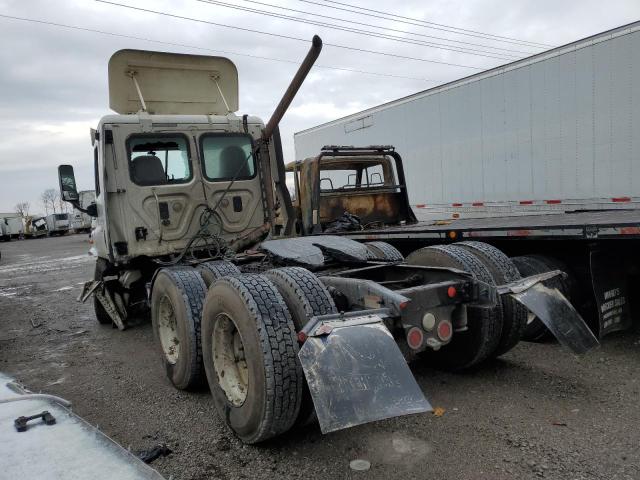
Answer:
[(50, 200)]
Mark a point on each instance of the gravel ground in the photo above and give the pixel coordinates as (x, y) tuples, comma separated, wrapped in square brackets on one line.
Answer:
[(536, 412)]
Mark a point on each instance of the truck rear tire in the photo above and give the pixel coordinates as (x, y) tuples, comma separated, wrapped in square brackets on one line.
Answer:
[(484, 325), (215, 269), (305, 296), (384, 251), (177, 297), (250, 356), (503, 270)]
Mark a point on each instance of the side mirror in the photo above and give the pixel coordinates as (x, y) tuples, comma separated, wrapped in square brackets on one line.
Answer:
[(68, 190), (92, 210)]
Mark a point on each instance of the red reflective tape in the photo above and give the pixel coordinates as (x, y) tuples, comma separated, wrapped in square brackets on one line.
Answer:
[(421, 205), (477, 204), (518, 233), (621, 199), (526, 202), (552, 202), (456, 204), (630, 231)]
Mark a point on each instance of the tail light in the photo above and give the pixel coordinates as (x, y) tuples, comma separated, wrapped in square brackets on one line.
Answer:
[(445, 330)]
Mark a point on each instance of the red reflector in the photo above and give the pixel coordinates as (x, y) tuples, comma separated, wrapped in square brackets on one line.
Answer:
[(451, 292), (477, 204), (421, 205), (456, 204), (444, 330), (302, 337), (621, 199), (414, 338), (553, 202), (526, 202), (403, 305)]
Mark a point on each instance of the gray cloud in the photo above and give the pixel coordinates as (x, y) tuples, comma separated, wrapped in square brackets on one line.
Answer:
[(54, 86)]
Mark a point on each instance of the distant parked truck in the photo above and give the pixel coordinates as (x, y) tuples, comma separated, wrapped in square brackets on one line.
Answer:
[(16, 226), (81, 221), (58, 223), (35, 226), (4, 231)]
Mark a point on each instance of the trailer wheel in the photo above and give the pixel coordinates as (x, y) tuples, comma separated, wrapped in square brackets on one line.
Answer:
[(384, 251), (101, 314), (176, 307), (305, 296), (503, 270), (250, 356), (213, 270), (527, 265), (484, 326)]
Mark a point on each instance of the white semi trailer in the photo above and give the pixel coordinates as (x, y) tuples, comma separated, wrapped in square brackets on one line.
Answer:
[(538, 157), (12, 225), (58, 223)]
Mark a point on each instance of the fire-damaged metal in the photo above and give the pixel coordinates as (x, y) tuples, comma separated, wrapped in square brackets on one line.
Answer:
[(366, 182), (356, 373), (311, 252)]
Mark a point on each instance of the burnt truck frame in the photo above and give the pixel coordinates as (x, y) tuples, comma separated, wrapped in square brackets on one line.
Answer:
[(597, 280), (283, 328)]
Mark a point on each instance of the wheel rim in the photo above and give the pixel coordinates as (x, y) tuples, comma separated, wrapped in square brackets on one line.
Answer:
[(168, 330), (229, 360)]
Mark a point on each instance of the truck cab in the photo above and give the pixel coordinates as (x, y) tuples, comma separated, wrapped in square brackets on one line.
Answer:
[(348, 188), (175, 163)]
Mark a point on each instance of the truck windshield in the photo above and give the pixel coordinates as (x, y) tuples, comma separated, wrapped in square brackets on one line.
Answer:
[(227, 156), (158, 160)]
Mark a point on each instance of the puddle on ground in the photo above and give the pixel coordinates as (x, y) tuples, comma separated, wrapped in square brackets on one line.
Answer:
[(397, 449)]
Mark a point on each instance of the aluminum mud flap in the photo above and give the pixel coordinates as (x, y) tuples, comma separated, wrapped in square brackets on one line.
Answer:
[(554, 310), (356, 373)]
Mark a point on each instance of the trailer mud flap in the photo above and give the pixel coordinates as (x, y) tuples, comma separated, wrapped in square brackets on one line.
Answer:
[(357, 374), (609, 280), (555, 311)]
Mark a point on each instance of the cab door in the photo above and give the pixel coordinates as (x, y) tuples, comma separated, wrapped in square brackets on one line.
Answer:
[(231, 182), (157, 192)]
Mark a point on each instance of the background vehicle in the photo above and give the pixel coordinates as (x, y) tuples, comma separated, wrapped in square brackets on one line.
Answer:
[(81, 222), (14, 225), (367, 182), (58, 223), (536, 157), (192, 214), (35, 226), (5, 236)]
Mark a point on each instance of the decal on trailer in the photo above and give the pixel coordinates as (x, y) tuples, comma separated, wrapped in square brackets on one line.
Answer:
[(609, 278)]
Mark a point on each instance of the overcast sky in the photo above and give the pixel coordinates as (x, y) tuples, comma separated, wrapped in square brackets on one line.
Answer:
[(53, 80)]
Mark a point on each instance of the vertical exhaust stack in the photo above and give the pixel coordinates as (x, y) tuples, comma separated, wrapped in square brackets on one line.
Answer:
[(268, 132), (294, 86)]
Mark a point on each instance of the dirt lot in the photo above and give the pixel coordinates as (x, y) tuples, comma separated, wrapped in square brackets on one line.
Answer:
[(537, 412)]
